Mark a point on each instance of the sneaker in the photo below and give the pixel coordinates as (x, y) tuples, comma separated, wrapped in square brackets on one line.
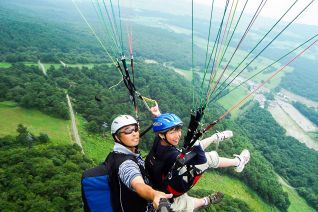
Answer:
[(214, 198), (244, 157), (220, 136)]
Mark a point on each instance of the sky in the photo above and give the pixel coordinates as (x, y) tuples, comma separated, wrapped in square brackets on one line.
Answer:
[(274, 8)]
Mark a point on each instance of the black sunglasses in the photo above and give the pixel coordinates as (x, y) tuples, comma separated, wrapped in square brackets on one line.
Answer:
[(130, 130)]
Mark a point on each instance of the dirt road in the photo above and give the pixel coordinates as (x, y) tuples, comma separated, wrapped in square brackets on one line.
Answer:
[(42, 68), (75, 134), (291, 127), (302, 121)]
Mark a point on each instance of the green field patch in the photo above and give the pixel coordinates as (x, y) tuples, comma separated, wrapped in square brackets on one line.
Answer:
[(185, 73), (36, 122), (234, 188), (58, 65), (30, 63), (55, 65), (297, 203), (233, 98), (226, 101), (5, 65), (48, 65), (257, 65), (95, 146), (88, 65), (273, 83)]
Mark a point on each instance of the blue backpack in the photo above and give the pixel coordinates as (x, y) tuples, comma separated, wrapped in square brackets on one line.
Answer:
[(96, 190)]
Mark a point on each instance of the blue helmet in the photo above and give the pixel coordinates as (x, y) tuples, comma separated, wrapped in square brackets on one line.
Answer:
[(165, 122)]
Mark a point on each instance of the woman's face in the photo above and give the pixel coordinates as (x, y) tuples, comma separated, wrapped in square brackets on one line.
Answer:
[(173, 136), (129, 135)]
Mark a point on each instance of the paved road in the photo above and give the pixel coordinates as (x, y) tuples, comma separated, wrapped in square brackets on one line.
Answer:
[(74, 128)]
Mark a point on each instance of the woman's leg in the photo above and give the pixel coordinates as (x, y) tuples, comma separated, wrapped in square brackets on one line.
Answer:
[(214, 161)]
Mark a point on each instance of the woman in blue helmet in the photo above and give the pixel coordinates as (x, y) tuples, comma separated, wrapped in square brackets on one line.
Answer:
[(164, 153)]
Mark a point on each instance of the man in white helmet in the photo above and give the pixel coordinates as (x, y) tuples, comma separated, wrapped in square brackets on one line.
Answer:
[(130, 190)]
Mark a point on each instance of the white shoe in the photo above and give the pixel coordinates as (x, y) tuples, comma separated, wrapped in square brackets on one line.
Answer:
[(244, 158), (220, 136)]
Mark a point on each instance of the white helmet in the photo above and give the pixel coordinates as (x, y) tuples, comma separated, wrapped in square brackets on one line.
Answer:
[(121, 121)]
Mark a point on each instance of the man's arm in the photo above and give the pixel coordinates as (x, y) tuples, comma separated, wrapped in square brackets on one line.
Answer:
[(130, 175), (148, 193)]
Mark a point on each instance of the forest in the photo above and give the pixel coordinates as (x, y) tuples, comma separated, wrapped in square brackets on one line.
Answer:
[(309, 112), (291, 159), (53, 42), (40, 176), (28, 87)]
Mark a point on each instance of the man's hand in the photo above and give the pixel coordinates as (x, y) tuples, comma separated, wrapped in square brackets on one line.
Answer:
[(160, 195), (148, 193)]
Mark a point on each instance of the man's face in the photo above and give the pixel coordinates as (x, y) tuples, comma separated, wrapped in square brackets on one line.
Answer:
[(129, 135)]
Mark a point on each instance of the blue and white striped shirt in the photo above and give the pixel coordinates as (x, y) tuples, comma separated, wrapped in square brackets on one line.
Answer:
[(129, 170)]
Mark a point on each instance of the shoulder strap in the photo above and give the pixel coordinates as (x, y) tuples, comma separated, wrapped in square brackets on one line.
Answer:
[(114, 159)]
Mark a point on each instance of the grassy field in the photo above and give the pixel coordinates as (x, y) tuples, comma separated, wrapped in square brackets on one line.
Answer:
[(257, 65), (58, 65), (36, 122), (234, 188), (185, 73), (30, 63), (234, 97), (5, 65), (227, 101), (95, 146), (48, 65), (263, 76), (296, 202)]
